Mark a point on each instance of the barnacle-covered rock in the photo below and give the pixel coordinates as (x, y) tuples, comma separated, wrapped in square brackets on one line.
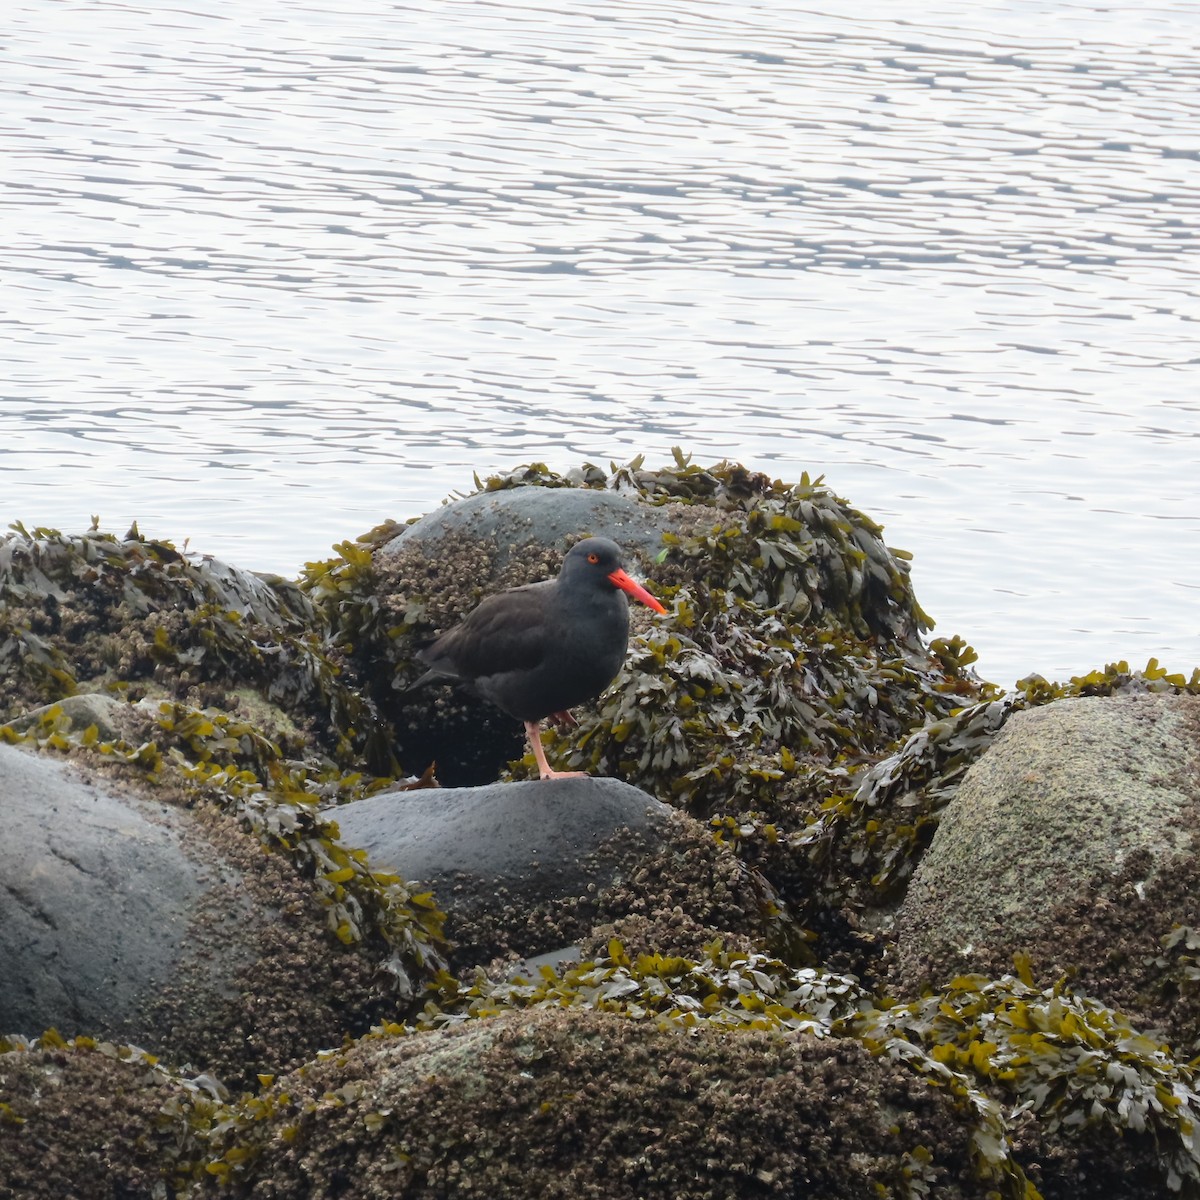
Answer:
[(81, 1117), (130, 919), (525, 868), (1073, 839), (1066, 1099), (566, 1104), (514, 521), (794, 645)]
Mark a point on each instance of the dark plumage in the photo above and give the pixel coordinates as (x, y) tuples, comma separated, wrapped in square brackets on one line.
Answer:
[(539, 650)]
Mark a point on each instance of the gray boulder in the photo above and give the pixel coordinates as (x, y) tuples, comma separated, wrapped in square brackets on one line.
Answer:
[(512, 519), (135, 920), (96, 890), (529, 868), (529, 836), (1075, 839), (112, 718)]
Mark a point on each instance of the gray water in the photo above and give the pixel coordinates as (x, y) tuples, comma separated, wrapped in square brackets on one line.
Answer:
[(275, 272)]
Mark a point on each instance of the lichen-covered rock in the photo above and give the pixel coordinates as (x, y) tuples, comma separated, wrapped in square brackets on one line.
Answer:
[(1073, 840), (571, 1105), (524, 868)]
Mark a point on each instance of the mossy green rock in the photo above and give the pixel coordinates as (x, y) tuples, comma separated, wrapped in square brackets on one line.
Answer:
[(1075, 840)]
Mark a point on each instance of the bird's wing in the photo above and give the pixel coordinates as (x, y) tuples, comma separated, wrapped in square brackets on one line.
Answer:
[(506, 632)]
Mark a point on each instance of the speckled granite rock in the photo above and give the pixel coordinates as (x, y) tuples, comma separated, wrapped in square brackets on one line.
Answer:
[(1075, 839)]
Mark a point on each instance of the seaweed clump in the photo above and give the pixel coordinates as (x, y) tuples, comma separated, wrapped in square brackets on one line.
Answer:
[(1074, 1065), (793, 652), (134, 617), (794, 647)]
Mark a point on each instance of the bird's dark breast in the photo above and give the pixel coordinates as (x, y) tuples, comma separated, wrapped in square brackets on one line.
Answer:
[(578, 664)]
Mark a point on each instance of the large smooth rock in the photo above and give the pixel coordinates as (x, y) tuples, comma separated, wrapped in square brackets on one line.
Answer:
[(511, 519), (1074, 839), (527, 868), (534, 836), (96, 891), (141, 921)]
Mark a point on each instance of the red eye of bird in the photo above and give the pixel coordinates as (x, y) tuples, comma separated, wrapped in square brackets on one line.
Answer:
[(593, 558)]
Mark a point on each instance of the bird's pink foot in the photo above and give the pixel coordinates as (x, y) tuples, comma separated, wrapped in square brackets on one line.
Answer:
[(533, 731)]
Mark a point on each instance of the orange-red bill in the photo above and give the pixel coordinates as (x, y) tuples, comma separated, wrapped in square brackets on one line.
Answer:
[(621, 580)]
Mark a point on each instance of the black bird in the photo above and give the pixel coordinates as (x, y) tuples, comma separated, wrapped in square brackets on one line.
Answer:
[(539, 650)]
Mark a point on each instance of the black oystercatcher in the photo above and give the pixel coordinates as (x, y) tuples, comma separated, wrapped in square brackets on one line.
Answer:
[(539, 650)]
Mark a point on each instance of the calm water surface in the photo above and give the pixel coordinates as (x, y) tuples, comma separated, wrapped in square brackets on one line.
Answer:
[(274, 272)]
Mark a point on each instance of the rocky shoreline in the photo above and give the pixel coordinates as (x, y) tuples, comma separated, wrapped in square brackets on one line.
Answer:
[(832, 916)]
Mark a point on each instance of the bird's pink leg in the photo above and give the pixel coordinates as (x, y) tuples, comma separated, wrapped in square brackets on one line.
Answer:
[(533, 731)]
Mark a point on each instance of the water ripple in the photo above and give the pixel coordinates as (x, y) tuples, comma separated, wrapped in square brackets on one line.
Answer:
[(275, 272)]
